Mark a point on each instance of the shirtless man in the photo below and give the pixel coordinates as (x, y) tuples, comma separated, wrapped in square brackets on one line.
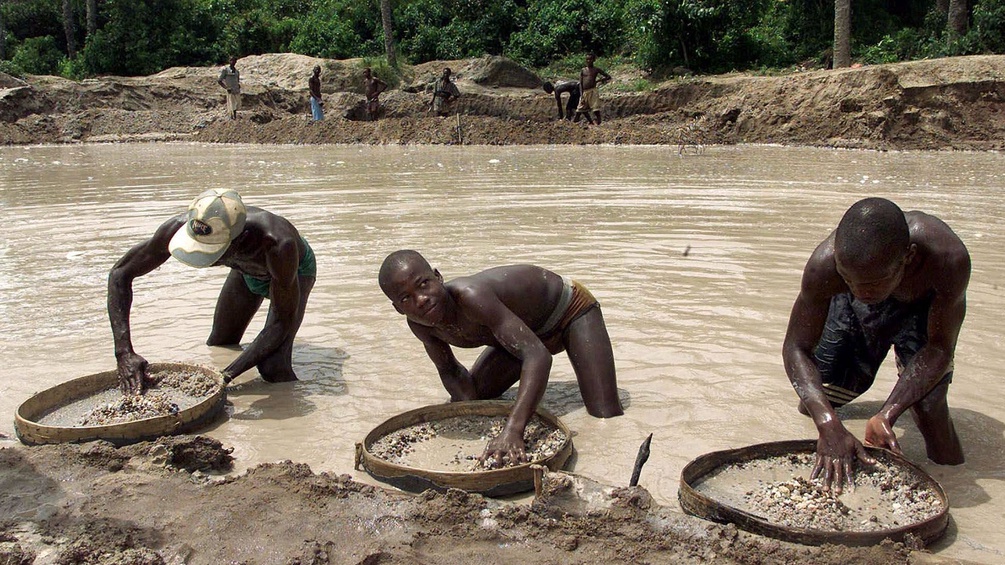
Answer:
[(589, 79), (374, 86), (561, 87), (267, 258), (523, 314), (883, 278)]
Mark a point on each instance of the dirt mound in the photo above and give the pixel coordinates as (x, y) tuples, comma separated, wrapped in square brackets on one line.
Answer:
[(68, 503), (951, 103)]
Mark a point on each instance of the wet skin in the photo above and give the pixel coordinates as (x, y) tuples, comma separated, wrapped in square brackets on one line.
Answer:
[(374, 86), (936, 263), (269, 247), (498, 308), (590, 77)]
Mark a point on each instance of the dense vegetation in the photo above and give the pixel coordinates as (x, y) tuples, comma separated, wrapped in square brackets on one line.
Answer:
[(78, 38)]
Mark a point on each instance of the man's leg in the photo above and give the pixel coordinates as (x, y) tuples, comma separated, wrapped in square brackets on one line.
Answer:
[(234, 310), (596, 116), (931, 414), (494, 372), (278, 367), (589, 347)]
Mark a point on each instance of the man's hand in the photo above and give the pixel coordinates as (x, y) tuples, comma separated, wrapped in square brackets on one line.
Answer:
[(837, 450), (507, 447), (879, 433), (133, 371)]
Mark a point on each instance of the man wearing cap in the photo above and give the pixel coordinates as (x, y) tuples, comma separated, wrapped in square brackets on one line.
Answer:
[(267, 258)]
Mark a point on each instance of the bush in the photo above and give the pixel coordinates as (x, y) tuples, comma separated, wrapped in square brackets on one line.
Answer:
[(38, 56)]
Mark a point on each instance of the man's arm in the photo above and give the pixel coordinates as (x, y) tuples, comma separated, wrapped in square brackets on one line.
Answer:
[(282, 259), (514, 336), (932, 362), (837, 448), (454, 376), (138, 261), (603, 76)]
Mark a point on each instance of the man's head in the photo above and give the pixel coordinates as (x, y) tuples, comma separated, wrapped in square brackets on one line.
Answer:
[(872, 248), (590, 59), (317, 70), (367, 73), (233, 61), (548, 87), (446, 72), (215, 218), (415, 288)]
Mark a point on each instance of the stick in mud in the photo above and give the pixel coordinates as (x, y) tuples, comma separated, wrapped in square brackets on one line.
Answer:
[(640, 460)]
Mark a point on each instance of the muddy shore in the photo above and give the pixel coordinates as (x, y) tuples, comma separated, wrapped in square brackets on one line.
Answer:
[(942, 104), (170, 501)]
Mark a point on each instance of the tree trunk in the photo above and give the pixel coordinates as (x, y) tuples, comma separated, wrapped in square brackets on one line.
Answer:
[(92, 17), (958, 16), (3, 39), (942, 6), (842, 33), (69, 29), (388, 23)]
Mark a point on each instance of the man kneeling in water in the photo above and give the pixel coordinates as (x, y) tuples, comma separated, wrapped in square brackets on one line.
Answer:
[(523, 314)]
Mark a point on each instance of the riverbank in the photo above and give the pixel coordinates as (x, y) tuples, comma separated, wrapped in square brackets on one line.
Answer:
[(955, 103), (168, 502)]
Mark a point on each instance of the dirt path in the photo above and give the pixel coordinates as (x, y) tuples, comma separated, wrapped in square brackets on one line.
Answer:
[(951, 103), (166, 502)]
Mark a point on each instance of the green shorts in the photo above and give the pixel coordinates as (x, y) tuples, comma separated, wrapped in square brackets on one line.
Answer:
[(308, 268)]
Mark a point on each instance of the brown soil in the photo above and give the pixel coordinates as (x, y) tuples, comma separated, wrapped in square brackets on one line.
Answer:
[(950, 103), (166, 502)]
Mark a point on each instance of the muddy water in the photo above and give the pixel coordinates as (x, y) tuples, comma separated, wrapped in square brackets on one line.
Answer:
[(696, 261)]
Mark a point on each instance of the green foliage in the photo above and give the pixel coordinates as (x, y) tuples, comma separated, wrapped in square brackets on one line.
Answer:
[(38, 56), (987, 32), (32, 18), (72, 68), (702, 35), (339, 29), (901, 46), (10, 68), (454, 29), (146, 36), (556, 28)]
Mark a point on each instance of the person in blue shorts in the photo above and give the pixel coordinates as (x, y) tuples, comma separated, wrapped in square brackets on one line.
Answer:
[(268, 258), (883, 279)]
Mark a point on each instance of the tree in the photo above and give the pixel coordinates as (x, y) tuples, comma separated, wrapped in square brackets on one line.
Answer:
[(842, 33), (92, 17), (957, 19), (388, 23), (69, 29)]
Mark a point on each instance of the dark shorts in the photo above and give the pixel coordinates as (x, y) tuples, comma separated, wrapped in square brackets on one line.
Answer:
[(857, 337), (308, 268)]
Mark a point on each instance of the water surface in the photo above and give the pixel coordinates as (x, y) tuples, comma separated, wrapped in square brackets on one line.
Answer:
[(696, 261)]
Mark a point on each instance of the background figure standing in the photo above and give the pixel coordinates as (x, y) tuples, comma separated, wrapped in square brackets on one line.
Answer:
[(317, 105), (589, 79), (562, 87), (230, 80), (444, 93), (374, 86)]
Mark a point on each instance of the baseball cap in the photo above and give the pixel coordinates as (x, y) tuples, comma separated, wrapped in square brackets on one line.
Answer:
[(215, 218)]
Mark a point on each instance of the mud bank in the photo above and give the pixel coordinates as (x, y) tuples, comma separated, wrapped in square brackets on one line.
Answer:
[(952, 103)]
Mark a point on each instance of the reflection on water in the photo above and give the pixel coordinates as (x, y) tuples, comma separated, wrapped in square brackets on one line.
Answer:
[(696, 261)]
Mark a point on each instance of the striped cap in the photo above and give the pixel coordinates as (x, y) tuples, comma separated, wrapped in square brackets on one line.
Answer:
[(215, 218)]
